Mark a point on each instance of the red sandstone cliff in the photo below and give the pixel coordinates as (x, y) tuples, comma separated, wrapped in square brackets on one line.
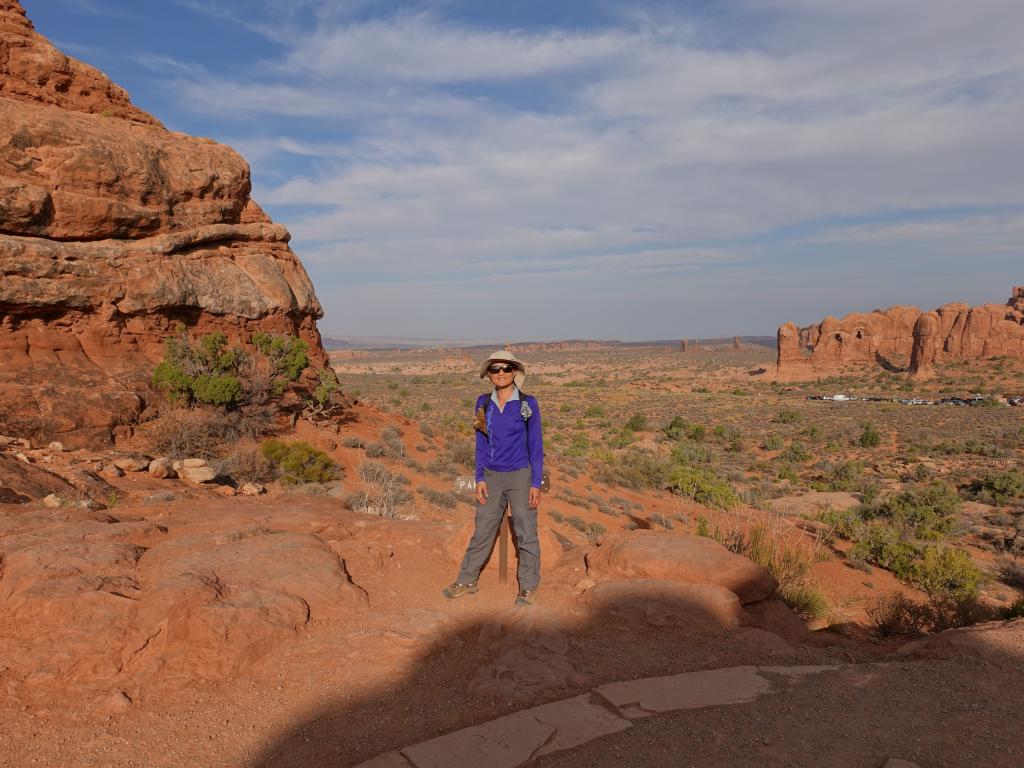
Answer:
[(112, 230), (902, 336)]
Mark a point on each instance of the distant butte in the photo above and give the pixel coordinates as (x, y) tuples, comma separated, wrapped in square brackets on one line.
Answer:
[(904, 338), (112, 231)]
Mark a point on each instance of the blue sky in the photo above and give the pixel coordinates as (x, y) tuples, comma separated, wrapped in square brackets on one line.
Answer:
[(589, 169)]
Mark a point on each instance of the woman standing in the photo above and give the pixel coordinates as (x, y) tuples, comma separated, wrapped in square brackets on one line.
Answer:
[(509, 469)]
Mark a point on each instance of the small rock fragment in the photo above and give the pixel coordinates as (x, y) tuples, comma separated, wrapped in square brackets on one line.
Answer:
[(132, 464), (116, 703), (252, 489), (197, 475), (225, 490), (52, 501), (56, 446), (112, 470), (161, 468), (195, 463), (160, 497)]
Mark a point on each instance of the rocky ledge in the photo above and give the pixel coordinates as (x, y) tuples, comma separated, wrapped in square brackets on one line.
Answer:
[(112, 231)]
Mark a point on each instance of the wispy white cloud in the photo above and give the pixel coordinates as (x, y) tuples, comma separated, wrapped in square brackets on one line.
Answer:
[(646, 148), (419, 48)]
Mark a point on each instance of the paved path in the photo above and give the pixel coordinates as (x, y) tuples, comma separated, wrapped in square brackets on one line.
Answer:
[(517, 739)]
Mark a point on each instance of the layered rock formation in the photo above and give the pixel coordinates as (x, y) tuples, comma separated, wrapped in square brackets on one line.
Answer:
[(956, 331), (904, 337), (113, 230)]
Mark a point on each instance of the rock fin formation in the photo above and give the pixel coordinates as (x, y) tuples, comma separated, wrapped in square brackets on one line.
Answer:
[(905, 338), (112, 231)]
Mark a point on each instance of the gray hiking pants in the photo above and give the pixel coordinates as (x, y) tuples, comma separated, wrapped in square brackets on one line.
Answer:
[(511, 489)]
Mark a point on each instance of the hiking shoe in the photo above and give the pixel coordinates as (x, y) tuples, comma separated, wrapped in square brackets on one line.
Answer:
[(457, 589), (526, 597)]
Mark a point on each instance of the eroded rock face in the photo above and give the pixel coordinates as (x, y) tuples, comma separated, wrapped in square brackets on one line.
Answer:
[(683, 559), (902, 338), (31, 69), (112, 231), (86, 600)]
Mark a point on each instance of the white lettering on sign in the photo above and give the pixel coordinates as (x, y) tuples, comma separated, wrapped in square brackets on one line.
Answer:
[(463, 483)]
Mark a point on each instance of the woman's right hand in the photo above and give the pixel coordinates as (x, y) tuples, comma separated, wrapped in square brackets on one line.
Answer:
[(481, 492)]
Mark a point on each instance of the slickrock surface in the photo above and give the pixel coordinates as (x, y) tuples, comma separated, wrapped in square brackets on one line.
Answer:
[(686, 559), (112, 231), (902, 336)]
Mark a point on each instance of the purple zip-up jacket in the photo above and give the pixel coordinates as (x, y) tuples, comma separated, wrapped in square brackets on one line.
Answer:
[(511, 442)]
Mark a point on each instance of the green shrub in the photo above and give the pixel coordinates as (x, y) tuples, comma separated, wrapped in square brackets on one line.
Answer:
[(806, 598), (634, 468), (702, 485), (578, 446), (299, 462), (691, 454), (286, 354), (173, 382), (557, 516), (771, 443), (220, 389), (883, 545), (207, 371), (870, 436), (946, 571), (843, 476), (927, 511), (1000, 487), (637, 423), (786, 472), (787, 417), (676, 429), (594, 412), (813, 432), (795, 454), (595, 531), (847, 522)]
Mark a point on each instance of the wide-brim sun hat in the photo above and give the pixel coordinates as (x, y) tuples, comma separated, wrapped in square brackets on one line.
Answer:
[(504, 356)]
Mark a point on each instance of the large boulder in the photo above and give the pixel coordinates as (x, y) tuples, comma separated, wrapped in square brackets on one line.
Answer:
[(113, 230), (686, 559)]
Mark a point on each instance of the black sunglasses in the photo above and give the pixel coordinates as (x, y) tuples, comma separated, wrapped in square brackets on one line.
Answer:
[(500, 368)]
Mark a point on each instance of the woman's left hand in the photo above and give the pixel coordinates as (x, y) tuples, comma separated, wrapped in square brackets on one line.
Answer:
[(534, 499)]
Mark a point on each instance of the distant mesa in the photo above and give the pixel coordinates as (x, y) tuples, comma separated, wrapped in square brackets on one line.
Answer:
[(904, 338), (112, 231), (555, 346)]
